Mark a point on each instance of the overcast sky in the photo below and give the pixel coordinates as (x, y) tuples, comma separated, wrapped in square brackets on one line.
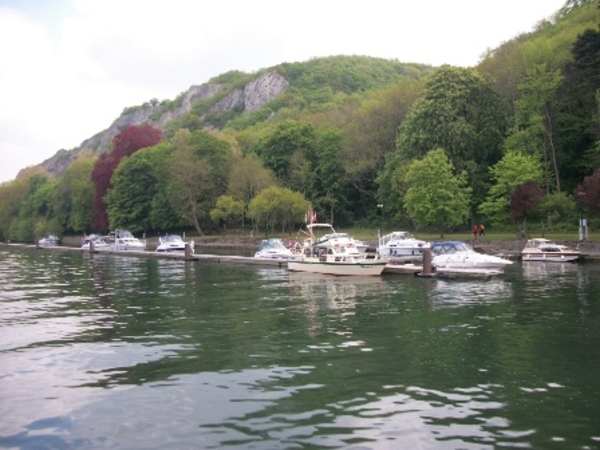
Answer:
[(69, 67)]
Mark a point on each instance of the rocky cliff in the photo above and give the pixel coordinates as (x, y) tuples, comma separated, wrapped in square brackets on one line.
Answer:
[(251, 97)]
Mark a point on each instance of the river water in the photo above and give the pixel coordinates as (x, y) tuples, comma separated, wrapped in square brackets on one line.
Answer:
[(105, 351)]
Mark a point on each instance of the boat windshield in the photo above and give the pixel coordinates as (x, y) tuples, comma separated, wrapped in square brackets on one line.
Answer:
[(441, 248), (271, 243)]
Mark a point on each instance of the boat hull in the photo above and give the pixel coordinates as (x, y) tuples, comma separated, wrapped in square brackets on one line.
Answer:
[(550, 257), (314, 265), (401, 252), (544, 250), (467, 262), (166, 249)]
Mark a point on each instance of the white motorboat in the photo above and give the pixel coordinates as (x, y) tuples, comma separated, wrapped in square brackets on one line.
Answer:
[(99, 242), (327, 252), (173, 243), (545, 250), (457, 255), (49, 241), (124, 240), (273, 248), (400, 244)]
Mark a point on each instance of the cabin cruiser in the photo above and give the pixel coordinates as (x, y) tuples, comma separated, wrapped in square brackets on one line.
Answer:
[(460, 255), (99, 242), (49, 241), (273, 248), (124, 240), (173, 243), (545, 250), (400, 244), (328, 252)]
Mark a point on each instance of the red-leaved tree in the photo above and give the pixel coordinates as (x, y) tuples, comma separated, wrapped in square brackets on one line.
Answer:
[(524, 201), (587, 194), (125, 144)]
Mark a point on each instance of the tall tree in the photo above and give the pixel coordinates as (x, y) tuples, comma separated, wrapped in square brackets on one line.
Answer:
[(248, 178), (330, 175), (125, 143), (12, 195), (286, 151), (513, 170), (36, 210), (578, 103), (199, 173), (435, 195), (278, 207), (134, 185), (535, 132), (73, 203), (459, 112)]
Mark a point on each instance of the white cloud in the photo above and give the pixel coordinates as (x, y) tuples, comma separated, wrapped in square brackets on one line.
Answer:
[(68, 71)]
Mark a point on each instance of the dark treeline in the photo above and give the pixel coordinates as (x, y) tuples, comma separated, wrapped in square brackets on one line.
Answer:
[(513, 140)]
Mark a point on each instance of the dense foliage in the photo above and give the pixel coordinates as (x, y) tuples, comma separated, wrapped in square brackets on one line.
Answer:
[(125, 144), (348, 134)]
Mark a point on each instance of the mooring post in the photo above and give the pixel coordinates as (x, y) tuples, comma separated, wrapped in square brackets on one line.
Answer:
[(92, 246), (188, 252), (427, 261)]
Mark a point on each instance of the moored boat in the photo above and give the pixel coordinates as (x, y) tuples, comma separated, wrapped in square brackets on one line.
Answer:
[(273, 248), (545, 250), (457, 255), (173, 243), (124, 240), (97, 241), (49, 240), (328, 252), (400, 244)]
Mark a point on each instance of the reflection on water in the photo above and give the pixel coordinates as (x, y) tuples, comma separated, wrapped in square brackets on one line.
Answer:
[(332, 292), (468, 292), (98, 351), (548, 271)]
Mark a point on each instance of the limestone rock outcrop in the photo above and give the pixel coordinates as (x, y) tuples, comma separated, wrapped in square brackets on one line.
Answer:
[(255, 94)]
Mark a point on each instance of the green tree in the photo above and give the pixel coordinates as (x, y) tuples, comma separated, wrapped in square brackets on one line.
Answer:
[(435, 195), (370, 133), (74, 200), (249, 177), (36, 215), (558, 207), (199, 174), (286, 151), (459, 112), (513, 170), (129, 201), (12, 194), (578, 101), (330, 176), (534, 132), (277, 207), (227, 210)]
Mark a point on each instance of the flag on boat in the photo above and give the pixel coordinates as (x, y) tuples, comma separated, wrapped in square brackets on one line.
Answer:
[(310, 216)]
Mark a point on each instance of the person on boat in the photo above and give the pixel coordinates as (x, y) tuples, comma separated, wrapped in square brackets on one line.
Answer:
[(481, 230)]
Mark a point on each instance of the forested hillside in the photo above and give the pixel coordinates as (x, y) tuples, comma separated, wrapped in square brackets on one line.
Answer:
[(513, 140)]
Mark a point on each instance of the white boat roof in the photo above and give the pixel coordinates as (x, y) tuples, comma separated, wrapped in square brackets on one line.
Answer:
[(320, 225)]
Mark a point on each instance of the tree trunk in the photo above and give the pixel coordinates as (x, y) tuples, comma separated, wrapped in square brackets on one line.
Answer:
[(548, 129)]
